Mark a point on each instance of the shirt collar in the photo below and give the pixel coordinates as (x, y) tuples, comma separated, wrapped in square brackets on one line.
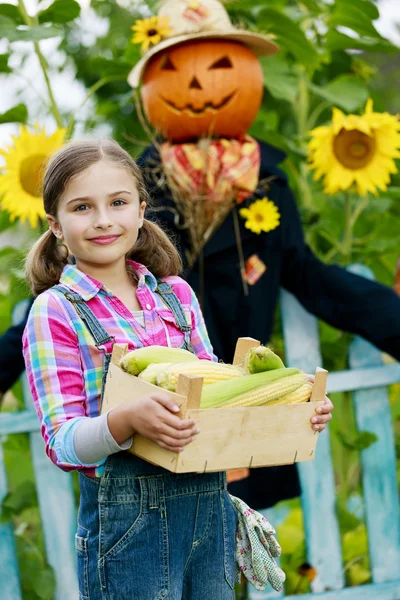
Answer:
[(87, 287)]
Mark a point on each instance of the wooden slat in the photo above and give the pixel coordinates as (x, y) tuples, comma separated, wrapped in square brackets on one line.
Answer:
[(359, 379), (372, 413), (383, 591), (57, 510), (24, 421), (9, 573), (317, 478)]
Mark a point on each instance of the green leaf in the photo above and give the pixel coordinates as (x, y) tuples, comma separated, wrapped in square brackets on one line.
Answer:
[(279, 79), (346, 91), (17, 114), (11, 11), (353, 17), (10, 31), (109, 68), (44, 583), (24, 496), (368, 7), (289, 35), (61, 11), (340, 41), (4, 68), (362, 441)]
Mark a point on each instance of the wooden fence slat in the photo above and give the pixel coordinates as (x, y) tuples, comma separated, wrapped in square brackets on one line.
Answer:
[(9, 573), (382, 591), (358, 379), (24, 421), (372, 413), (317, 479), (57, 510)]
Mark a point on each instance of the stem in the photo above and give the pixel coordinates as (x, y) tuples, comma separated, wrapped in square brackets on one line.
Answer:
[(92, 90), (318, 110), (301, 118), (42, 61), (348, 230), (359, 209)]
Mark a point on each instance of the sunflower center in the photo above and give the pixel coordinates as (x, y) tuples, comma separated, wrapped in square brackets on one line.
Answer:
[(31, 174), (152, 32), (258, 217), (354, 149)]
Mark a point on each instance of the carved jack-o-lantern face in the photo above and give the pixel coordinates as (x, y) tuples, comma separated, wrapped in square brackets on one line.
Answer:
[(202, 88)]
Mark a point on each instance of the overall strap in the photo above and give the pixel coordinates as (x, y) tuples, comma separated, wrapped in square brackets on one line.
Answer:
[(172, 301), (95, 328)]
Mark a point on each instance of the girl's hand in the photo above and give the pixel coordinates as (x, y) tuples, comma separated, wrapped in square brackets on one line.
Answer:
[(324, 413), (153, 417)]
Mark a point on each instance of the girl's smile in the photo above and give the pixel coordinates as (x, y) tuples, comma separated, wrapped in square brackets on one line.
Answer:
[(104, 239)]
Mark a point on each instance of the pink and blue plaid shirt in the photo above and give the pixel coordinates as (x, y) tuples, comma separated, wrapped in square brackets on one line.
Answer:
[(65, 368)]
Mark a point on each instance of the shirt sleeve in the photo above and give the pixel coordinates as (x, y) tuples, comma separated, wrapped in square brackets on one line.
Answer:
[(200, 340), (342, 299), (54, 370)]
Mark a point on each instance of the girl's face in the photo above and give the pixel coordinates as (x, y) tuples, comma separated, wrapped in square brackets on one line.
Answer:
[(99, 215)]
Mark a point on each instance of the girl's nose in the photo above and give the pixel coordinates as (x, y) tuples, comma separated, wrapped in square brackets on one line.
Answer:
[(103, 220)]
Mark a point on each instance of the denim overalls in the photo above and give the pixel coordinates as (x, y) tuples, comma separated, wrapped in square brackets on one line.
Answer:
[(145, 533)]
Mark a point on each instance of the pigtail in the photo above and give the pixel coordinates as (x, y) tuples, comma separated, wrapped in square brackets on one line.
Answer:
[(45, 262), (155, 250)]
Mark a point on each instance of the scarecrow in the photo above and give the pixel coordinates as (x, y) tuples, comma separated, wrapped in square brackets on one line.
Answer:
[(228, 206)]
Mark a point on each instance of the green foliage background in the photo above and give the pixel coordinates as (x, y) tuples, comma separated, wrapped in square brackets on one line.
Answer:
[(331, 55)]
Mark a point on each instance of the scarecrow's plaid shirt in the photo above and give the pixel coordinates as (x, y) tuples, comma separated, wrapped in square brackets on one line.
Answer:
[(63, 365)]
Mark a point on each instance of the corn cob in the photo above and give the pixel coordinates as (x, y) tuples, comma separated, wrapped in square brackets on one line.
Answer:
[(302, 394), (261, 359), (210, 371), (221, 393), (136, 361), (267, 393), (150, 373)]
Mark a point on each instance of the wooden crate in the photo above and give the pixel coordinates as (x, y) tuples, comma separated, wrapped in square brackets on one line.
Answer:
[(230, 438)]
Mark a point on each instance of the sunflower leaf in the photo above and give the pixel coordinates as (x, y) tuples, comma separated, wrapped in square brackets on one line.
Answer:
[(11, 11), (279, 79), (289, 35), (4, 68), (61, 11), (12, 33), (16, 114), (346, 91), (336, 40), (355, 18)]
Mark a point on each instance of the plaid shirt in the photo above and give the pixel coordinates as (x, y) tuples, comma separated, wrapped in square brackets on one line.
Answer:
[(63, 365)]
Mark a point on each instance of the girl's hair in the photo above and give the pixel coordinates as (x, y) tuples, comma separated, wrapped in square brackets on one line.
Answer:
[(48, 257)]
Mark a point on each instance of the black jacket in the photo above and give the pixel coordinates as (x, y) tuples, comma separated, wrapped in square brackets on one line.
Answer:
[(342, 299)]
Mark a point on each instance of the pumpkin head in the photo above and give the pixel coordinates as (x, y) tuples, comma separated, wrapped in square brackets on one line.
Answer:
[(202, 88)]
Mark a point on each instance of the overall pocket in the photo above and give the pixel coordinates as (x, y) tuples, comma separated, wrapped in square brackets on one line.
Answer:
[(82, 557)]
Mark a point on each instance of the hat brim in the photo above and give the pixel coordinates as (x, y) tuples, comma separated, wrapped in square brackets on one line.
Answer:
[(261, 45)]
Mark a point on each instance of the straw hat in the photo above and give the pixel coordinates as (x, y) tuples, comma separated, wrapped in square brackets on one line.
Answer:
[(195, 20)]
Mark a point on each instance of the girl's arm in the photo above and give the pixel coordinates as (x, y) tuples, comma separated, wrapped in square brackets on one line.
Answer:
[(54, 370)]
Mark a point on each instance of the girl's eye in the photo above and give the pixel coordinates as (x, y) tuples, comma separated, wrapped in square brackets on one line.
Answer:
[(81, 207), (119, 202)]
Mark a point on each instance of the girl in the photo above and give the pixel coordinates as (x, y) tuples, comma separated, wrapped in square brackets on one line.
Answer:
[(143, 533)]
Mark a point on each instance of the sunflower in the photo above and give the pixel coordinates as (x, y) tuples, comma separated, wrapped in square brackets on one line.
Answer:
[(261, 215), (21, 176), (355, 150), (150, 31)]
